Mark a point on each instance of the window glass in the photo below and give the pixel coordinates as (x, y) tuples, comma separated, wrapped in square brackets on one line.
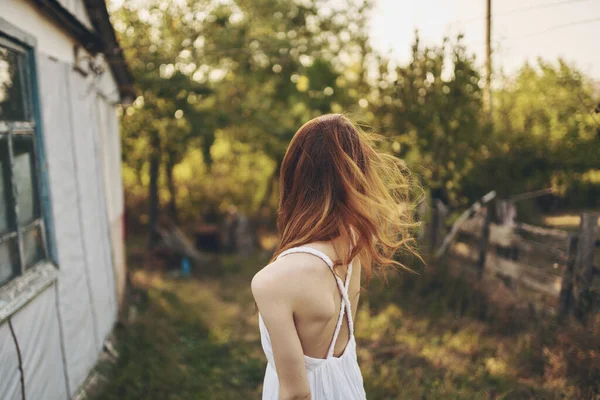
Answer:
[(8, 260), (22, 243), (12, 86), (33, 250), (24, 171), (4, 188)]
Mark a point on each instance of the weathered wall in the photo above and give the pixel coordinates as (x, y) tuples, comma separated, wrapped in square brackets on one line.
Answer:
[(50, 39), (36, 328), (61, 331), (10, 387), (86, 282), (110, 150)]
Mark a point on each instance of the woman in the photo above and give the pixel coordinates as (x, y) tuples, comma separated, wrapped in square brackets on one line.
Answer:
[(344, 210)]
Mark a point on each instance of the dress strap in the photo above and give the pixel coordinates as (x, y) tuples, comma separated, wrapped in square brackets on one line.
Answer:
[(345, 306)]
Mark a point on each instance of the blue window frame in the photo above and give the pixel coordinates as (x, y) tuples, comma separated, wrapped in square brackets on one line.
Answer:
[(23, 241)]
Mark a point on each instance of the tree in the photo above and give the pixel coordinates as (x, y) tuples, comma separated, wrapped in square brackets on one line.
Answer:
[(253, 71), (432, 110), (545, 133)]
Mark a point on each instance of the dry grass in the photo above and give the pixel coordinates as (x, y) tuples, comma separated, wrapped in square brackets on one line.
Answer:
[(427, 337)]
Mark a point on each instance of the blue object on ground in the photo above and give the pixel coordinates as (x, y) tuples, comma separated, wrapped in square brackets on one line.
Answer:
[(185, 267)]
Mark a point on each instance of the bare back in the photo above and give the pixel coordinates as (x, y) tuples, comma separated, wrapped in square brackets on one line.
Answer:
[(317, 317), (306, 309)]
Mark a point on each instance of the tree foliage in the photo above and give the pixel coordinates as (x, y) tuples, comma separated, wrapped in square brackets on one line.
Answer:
[(253, 71), (225, 84), (545, 133), (432, 110)]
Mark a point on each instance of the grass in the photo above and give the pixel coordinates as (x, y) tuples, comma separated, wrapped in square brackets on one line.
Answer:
[(420, 337), (193, 339)]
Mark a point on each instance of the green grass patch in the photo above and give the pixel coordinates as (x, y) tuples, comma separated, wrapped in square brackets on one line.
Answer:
[(432, 336)]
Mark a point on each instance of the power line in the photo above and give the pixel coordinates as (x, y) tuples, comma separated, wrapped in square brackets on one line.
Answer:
[(517, 10), (537, 7), (557, 27), (550, 29)]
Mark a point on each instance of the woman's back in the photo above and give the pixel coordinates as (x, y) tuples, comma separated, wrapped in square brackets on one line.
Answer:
[(324, 323), (336, 188), (316, 318)]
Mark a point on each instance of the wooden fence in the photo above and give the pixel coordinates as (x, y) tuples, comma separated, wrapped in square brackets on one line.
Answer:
[(559, 268)]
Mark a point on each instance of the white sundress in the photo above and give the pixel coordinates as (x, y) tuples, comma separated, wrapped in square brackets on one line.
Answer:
[(331, 378)]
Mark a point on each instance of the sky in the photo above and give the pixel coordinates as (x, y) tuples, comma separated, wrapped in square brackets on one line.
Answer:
[(521, 29)]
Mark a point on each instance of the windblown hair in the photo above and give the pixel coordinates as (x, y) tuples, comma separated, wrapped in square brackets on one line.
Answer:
[(335, 183)]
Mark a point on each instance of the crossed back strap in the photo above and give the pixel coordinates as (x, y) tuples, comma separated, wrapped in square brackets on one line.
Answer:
[(345, 307)]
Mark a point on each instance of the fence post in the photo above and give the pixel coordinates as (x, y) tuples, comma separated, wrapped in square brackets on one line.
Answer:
[(565, 298), (423, 210), (583, 269), (485, 237), (440, 228), (437, 224)]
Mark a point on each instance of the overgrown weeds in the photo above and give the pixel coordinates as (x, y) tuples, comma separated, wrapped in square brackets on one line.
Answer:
[(478, 342), (435, 335)]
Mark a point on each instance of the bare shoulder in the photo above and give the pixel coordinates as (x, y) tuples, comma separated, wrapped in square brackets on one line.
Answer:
[(288, 277)]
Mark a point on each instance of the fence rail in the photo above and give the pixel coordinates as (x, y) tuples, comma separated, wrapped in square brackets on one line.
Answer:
[(553, 263)]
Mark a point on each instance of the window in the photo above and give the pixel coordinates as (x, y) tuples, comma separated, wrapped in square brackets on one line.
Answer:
[(22, 232)]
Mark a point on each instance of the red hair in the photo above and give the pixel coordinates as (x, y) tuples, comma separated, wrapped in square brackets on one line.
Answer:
[(333, 181)]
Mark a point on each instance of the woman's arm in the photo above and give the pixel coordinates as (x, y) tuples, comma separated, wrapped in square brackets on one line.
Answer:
[(275, 294)]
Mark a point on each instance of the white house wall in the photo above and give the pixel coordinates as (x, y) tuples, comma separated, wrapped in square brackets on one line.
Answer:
[(92, 205), (61, 331), (75, 296), (110, 157), (10, 385), (37, 332), (50, 39)]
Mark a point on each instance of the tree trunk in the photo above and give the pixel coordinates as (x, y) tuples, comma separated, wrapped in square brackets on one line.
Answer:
[(257, 222), (172, 189), (269, 190), (153, 189)]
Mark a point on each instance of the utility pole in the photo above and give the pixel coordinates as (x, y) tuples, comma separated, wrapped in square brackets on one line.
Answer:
[(488, 59)]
